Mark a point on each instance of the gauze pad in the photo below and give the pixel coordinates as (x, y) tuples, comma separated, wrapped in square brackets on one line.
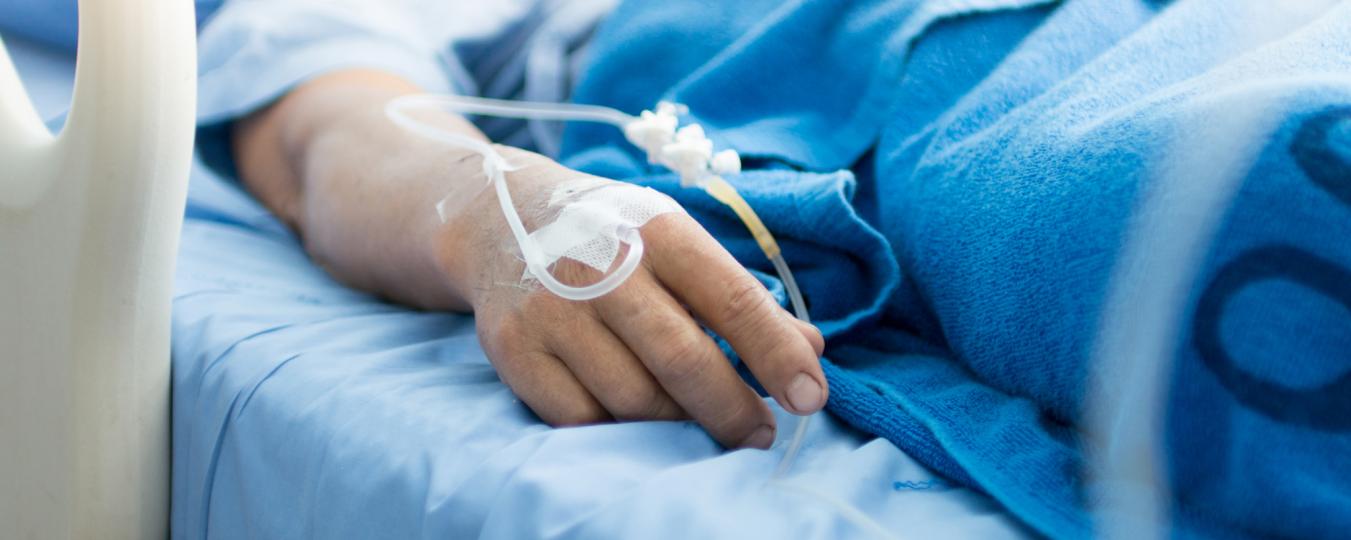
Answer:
[(591, 217)]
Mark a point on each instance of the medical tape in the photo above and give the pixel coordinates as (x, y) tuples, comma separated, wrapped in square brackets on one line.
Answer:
[(592, 216)]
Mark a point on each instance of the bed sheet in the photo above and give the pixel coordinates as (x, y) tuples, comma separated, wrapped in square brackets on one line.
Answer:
[(304, 409)]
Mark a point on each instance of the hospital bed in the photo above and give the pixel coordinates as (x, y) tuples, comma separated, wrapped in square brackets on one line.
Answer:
[(89, 225), (301, 408)]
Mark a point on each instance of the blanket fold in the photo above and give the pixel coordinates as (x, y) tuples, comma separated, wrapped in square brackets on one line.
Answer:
[(1022, 177)]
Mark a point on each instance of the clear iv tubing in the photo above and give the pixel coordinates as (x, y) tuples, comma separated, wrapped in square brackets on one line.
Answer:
[(524, 110), (726, 194), (495, 167)]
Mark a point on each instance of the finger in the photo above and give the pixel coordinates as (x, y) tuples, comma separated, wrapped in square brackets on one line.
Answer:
[(540, 379), (735, 305), (813, 335), (686, 362), (611, 372), (554, 394)]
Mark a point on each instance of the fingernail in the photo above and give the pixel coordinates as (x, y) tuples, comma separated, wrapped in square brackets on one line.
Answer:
[(804, 393), (761, 438)]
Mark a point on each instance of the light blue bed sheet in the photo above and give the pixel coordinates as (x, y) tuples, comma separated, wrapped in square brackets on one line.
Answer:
[(302, 409)]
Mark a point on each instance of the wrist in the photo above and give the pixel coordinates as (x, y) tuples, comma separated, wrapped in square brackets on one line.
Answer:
[(476, 247)]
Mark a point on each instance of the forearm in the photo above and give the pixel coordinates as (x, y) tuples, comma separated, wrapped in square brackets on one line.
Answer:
[(361, 192)]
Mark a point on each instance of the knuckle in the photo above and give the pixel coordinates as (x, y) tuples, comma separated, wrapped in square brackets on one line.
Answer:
[(734, 422), (574, 272), (681, 359), (668, 228), (643, 404), (577, 414), (744, 300), (780, 345)]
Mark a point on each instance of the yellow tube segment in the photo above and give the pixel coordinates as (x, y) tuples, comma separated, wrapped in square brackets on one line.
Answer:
[(726, 194)]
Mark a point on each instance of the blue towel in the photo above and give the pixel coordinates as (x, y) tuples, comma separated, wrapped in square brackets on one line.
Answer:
[(973, 194)]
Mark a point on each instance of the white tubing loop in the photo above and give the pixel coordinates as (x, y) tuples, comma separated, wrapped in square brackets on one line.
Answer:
[(495, 168)]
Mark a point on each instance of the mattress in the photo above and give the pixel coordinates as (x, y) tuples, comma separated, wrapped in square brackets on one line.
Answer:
[(302, 408)]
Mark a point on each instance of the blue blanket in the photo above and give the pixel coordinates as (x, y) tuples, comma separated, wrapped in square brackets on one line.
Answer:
[(986, 200)]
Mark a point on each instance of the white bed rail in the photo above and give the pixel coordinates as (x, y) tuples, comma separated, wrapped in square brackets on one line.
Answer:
[(89, 227)]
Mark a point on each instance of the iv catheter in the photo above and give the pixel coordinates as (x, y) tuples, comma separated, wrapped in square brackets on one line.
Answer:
[(686, 151)]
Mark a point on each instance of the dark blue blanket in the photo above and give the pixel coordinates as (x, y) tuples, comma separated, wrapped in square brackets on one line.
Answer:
[(994, 206)]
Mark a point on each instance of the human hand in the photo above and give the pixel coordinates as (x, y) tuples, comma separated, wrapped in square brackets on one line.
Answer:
[(636, 353)]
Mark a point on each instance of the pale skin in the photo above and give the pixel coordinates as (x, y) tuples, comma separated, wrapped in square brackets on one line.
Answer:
[(360, 192)]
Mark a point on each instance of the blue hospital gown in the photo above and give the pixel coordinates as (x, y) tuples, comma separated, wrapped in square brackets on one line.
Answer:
[(253, 51)]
